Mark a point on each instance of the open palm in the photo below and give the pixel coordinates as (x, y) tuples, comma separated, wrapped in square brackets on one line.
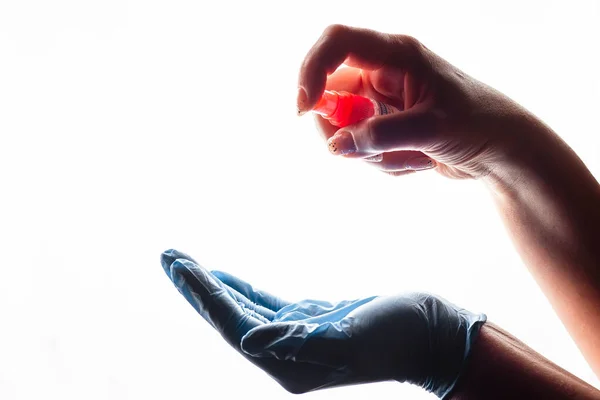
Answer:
[(314, 344)]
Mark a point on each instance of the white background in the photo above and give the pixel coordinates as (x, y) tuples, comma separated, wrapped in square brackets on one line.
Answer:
[(131, 127)]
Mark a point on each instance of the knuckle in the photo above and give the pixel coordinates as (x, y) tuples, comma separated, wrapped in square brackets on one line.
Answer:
[(335, 30), (408, 40), (413, 49), (411, 43), (330, 37)]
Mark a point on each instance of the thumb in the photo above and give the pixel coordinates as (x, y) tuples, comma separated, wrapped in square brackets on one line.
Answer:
[(323, 344), (414, 129)]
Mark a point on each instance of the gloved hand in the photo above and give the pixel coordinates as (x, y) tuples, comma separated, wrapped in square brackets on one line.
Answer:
[(309, 345)]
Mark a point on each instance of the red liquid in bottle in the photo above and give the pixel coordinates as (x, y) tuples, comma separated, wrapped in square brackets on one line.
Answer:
[(343, 108)]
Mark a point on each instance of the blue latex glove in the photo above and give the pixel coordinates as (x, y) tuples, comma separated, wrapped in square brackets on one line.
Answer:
[(309, 345)]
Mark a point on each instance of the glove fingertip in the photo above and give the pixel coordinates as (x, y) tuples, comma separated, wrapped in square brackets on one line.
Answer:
[(252, 344), (195, 274), (265, 340), (178, 273), (168, 257)]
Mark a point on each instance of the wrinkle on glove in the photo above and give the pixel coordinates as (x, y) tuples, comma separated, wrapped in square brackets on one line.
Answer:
[(312, 344)]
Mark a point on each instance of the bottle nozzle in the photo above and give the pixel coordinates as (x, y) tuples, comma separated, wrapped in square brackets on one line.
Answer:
[(328, 104)]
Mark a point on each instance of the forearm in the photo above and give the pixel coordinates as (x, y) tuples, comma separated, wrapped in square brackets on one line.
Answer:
[(502, 367), (550, 204)]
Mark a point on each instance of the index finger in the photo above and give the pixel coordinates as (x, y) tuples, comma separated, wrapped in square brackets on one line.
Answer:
[(360, 48), (260, 297), (211, 300)]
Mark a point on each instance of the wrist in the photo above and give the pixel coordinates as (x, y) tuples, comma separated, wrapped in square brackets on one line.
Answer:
[(535, 158), (503, 367), (452, 334), (544, 165), (526, 149)]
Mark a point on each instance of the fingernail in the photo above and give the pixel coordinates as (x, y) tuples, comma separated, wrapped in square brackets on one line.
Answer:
[(341, 143), (375, 158), (420, 163), (301, 101)]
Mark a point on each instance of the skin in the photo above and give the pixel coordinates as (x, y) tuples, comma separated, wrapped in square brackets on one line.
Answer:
[(548, 199), (518, 372)]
